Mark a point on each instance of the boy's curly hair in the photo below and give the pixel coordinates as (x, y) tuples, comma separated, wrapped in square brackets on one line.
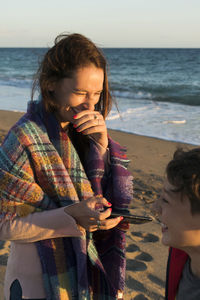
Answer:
[(183, 172)]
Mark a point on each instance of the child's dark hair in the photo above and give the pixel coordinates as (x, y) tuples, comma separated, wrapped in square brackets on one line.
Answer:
[(183, 172)]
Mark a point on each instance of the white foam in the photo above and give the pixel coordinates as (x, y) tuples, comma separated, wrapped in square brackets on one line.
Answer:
[(132, 94), (174, 122), (163, 120)]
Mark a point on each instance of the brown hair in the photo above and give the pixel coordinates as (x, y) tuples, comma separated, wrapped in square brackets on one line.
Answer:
[(69, 53), (183, 171)]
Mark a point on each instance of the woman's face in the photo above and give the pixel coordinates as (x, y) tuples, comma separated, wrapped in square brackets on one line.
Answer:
[(81, 92)]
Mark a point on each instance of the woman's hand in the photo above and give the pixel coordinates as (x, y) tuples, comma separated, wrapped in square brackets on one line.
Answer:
[(87, 214), (92, 123)]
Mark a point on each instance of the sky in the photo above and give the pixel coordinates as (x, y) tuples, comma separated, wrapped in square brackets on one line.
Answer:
[(109, 23)]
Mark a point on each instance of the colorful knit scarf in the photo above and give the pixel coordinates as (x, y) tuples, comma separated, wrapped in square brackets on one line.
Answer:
[(40, 170)]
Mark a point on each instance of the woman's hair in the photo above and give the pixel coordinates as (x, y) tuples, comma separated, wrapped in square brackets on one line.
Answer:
[(183, 172), (69, 53)]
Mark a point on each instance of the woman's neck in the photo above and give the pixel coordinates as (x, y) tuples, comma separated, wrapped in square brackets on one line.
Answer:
[(64, 125)]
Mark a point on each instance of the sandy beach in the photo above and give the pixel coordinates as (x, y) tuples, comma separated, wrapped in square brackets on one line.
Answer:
[(146, 256)]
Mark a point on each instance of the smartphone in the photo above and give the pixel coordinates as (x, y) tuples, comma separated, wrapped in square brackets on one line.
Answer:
[(132, 219)]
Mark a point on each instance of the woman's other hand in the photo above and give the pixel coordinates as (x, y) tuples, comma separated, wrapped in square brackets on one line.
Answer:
[(89, 216), (92, 123)]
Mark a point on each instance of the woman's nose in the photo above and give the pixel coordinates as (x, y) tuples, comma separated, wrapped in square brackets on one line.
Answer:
[(89, 102), (88, 105)]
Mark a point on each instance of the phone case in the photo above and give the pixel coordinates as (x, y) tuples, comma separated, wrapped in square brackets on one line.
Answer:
[(133, 219)]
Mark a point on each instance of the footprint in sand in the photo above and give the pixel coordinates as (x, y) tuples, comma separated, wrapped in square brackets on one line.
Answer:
[(4, 251), (2, 244), (132, 248), (156, 280), (144, 257), (4, 247), (145, 237), (140, 297), (135, 265), (3, 259), (138, 286)]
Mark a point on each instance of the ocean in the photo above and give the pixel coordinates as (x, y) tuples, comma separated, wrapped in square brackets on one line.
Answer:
[(157, 90)]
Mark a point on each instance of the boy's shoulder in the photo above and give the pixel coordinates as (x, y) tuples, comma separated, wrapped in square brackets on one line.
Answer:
[(189, 286)]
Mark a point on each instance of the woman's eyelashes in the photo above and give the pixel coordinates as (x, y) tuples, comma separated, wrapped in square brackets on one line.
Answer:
[(80, 93)]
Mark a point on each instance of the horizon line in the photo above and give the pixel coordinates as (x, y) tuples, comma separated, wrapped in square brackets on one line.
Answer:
[(37, 47)]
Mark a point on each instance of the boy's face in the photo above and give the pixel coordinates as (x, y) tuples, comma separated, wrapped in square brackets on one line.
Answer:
[(180, 229)]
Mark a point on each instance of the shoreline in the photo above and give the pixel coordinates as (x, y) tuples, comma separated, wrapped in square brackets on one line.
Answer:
[(6, 114), (146, 256), (152, 137)]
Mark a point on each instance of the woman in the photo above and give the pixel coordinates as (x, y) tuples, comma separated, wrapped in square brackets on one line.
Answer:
[(61, 175)]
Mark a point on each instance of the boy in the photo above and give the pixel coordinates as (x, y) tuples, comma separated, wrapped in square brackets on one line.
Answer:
[(178, 210)]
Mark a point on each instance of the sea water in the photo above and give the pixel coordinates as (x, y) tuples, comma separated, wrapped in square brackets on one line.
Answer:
[(157, 90)]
